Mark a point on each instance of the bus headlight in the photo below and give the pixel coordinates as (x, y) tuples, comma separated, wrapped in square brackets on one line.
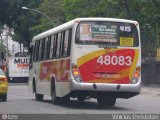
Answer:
[(76, 73), (136, 75)]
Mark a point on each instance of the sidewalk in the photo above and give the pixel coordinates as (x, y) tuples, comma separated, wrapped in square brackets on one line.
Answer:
[(152, 90)]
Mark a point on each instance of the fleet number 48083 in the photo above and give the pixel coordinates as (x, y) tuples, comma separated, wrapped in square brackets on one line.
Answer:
[(115, 60)]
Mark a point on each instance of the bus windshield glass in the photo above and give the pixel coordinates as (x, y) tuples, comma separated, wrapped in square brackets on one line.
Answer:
[(108, 33)]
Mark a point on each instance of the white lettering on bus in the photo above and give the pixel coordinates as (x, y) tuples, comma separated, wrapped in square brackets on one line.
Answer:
[(115, 60)]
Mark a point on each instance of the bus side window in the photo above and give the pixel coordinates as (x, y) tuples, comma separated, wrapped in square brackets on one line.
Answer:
[(54, 45), (37, 50), (65, 45), (41, 51), (48, 47), (69, 42), (51, 47), (45, 48), (33, 52), (34, 57), (62, 44), (58, 45)]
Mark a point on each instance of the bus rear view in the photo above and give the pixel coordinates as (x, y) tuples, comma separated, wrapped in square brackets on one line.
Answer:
[(106, 60)]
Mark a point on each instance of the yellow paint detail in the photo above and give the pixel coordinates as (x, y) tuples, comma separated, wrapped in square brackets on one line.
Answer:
[(124, 73), (126, 41), (90, 56), (102, 80), (134, 64)]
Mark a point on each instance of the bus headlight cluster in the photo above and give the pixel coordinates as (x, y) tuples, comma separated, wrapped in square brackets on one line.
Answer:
[(136, 75), (76, 73)]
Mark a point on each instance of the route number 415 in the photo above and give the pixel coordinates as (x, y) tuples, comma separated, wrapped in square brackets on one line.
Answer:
[(115, 60)]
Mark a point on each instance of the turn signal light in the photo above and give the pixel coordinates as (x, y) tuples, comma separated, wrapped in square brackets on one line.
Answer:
[(136, 75), (76, 73)]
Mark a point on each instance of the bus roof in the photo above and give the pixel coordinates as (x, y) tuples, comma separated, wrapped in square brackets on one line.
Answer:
[(71, 23)]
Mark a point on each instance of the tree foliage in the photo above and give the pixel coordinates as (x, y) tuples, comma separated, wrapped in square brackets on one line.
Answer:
[(146, 12), (21, 22), (27, 23), (55, 10)]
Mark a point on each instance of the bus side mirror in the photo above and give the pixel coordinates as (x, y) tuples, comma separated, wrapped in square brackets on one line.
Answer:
[(30, 49)]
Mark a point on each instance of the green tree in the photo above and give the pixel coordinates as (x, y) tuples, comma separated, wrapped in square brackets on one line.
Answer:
[(27, 23), (90, 8), (21, 22), (55, 10), (146, 12)]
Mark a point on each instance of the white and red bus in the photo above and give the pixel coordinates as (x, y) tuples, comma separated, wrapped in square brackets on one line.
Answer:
[(87, 58)]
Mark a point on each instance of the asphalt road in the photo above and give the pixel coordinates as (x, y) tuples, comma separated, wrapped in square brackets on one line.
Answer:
[(20, 101)]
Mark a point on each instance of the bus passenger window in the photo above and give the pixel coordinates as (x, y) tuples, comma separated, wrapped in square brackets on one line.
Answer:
[(62, 44), (45, 48), (58, 46), (54, 45), (48, 47), (42, 47), (65, 46), (51, 46), (69, 42), (37, 51), (33, 52)]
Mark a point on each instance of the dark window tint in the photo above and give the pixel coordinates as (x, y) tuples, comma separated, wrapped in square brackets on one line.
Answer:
[(42, 49), (65, 43), (108, 33), (48, 43), (54, 45), (58, 45), (37, 50)]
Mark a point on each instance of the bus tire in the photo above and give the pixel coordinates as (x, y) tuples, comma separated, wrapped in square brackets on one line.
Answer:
[(55, 99), (34, 86), (39, 97), (4, 97)]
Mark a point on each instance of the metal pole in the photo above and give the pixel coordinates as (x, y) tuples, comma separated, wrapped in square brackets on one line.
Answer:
[(26, 8)]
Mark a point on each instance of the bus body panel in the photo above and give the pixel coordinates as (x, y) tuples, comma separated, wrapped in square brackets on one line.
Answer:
[(107, 77), (44, 72), (108, 65), (97, 75)]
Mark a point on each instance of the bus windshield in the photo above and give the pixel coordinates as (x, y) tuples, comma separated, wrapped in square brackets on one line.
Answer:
[(108, 33)]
